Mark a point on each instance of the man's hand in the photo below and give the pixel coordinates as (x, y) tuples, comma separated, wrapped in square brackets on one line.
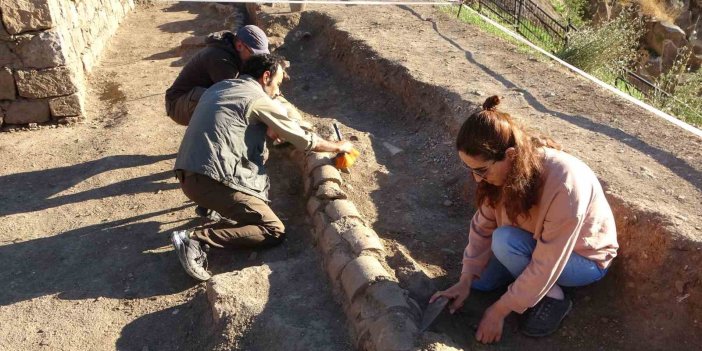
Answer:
[(492, 323), (344, 146), (458, 293), (271, 133)]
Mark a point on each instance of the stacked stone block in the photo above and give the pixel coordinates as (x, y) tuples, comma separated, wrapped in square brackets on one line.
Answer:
[(381, 313), (46, 48)]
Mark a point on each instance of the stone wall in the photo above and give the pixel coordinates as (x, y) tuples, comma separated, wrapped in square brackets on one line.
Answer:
[(46, 48)]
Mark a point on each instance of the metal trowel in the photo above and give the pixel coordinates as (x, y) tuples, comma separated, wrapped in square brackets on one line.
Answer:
[(433, 310)]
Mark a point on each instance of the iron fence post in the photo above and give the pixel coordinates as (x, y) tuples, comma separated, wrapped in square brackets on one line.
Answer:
[(519, 16)]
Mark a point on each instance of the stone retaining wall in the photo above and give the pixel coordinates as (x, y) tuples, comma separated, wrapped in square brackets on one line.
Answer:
[(46, 48)]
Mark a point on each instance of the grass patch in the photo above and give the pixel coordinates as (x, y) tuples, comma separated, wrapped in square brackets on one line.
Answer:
[(470, 17)]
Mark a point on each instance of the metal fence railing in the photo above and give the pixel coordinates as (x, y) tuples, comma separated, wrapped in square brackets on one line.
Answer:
[(528, 19)]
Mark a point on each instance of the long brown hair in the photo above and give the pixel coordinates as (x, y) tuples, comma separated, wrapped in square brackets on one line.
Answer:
[(488, 134)]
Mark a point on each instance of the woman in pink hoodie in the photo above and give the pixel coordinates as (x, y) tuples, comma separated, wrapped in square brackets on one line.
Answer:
[(542, 222)]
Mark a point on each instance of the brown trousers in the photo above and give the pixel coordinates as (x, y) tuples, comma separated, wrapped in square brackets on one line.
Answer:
[(181, 110), (251, 222)]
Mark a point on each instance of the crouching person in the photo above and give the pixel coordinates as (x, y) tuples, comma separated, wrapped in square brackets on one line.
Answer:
[(220, 163), (543, 223)]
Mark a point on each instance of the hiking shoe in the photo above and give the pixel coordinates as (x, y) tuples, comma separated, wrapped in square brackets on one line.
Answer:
[(207, 213), (191, 255), (545, 318)]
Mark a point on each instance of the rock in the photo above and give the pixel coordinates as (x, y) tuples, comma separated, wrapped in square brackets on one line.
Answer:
[(301, 35), (436, 342), (684, 21), (27, 111), (7, 85), (51, 82), (670, 53), (658, 32), (654, 67), (66, 106), (647, 172), (695, 62), (394, 150), (43, 50), (4, 35), (448, 203), (601, 11), (696, 46), (22, 16), (7, 57), (680, 286)]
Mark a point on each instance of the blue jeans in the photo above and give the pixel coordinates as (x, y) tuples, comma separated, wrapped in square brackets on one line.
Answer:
[(512, 249)]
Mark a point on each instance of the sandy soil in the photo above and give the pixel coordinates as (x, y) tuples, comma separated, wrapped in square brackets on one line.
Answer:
[(84, 236)]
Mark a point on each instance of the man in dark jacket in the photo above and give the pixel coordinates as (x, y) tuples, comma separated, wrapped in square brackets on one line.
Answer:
[(220, 162), (222, 59)]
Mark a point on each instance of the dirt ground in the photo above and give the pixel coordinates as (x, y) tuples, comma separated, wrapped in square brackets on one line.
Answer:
[(84, 232), (85, 253)]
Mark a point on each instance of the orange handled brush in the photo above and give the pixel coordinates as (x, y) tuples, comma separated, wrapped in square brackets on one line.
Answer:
[(344, 160)]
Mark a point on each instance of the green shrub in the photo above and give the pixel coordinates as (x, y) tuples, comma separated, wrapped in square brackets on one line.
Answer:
[(610, 47), (684, 90), (575, 11)]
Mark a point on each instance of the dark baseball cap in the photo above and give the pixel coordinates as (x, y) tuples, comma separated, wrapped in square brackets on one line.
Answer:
[(254, 38)]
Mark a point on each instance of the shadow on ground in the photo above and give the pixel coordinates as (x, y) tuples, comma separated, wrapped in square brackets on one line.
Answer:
[(119, 259), (37, 190), (205, 22)]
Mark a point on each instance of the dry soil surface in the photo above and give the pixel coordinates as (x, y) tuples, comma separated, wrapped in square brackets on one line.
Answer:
[(85, 220)]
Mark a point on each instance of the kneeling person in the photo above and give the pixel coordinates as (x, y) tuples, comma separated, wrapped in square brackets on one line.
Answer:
[(220, 163)]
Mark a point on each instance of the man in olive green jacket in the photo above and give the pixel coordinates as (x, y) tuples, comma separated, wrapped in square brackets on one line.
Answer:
[(220, 163)]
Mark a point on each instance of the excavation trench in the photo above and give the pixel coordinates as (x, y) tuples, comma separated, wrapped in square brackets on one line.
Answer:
[(409, 187)]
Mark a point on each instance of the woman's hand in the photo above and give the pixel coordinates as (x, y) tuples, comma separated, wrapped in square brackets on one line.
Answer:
[(492, 323), (458, 293)]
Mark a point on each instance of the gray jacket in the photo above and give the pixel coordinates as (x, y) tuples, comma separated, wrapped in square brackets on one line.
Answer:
[(222, 143)]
